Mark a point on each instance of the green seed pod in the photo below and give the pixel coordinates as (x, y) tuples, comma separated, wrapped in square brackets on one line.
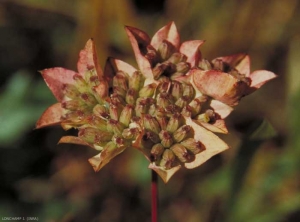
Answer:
[(181, 153), (188, 91), (80, 83), (156, 151), (202, 99), (187, 111), (176, 75), (130, 133), (73, 105), (120, 80), (136, 81), (160, 115), (152, 109), (195, 106), (120, 141), (97, 96), (192, 145), (160, 112), (94, 81), (120, 91), (110, 146), (183, 67), (165, 49), (97, 122), (166, 138), (115, 111), (151, 124), (164, 99), (88, 99), (171, 109), (163, 121), (203, 118), (176, 90), (115, 126), (147, 91), (150, 101), (137, 120), (89, 73), (91, 78), (141, 107), (204, 64), (164, 86), (177, 57), (181, 133), (168, 159), (77, 116), (131, 96), (117, 99), (126, 115), (70, 91), (94, 136), (73, 119), (163, 79), (101, 111), (174, 123), (211, 114), (182, 101)]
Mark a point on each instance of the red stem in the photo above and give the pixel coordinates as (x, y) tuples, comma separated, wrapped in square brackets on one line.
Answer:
[(154, 195)]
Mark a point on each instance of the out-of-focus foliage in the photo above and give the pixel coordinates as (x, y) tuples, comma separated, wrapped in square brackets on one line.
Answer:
[(253, 181)]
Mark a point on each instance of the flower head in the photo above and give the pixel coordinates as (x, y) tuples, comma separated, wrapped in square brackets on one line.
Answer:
[(169, 109)]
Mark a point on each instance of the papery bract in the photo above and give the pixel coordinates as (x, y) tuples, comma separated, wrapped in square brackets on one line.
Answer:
[(230, 79)]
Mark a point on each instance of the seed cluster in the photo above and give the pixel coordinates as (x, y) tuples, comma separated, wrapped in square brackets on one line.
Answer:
[(155, 110)]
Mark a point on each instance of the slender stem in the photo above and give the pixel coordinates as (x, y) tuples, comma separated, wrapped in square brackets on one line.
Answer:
[(154, 195)]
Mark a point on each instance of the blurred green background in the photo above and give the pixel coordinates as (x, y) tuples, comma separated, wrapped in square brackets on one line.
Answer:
[(257, 180)]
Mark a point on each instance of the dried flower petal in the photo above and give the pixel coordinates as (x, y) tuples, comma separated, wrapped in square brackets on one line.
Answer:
[(232, 80), (109, 152), (212, 143), (52, 116), (56, 79), (163, 173)]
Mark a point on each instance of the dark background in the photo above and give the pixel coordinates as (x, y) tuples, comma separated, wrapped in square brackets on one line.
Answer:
[(255, 180)]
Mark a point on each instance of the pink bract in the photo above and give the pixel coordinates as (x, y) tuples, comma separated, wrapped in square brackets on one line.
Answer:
[(227, 88)]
